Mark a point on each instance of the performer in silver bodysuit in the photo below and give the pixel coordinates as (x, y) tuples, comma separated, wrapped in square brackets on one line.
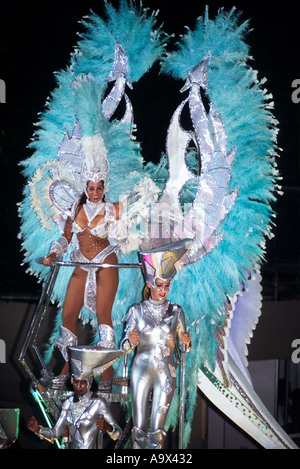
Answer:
[(155, 325), (83, 414)]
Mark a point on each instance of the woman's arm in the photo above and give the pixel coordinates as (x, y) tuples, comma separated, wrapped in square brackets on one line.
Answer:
[(118, 210), (117, 230), (49, 434), (131, 337), (107, 422), (184, 337), (60, 247)]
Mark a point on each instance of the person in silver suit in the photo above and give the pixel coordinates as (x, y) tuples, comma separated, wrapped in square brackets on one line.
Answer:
[(83, 415), (155, 325)]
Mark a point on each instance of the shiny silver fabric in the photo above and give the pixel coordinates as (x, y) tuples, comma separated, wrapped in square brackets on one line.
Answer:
[(154, 367), (91, 283), (67, 339), (80, 418), (107, 337), (119, 74), (164, 261), (91, 361), (213, 199), (59, 247)]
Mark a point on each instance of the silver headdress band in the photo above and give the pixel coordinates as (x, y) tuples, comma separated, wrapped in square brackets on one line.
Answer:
[(88, 362)]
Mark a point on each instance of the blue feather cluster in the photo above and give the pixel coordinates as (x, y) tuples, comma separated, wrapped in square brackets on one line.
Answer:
[(245, 109)]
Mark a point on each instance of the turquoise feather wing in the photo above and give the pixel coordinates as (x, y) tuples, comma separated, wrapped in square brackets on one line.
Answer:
[(245, 109)]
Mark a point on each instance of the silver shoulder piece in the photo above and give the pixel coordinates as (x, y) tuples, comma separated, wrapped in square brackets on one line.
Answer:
[(213, 200)]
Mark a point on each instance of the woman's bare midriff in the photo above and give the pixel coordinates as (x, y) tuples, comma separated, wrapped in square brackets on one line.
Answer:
[(91, 245)]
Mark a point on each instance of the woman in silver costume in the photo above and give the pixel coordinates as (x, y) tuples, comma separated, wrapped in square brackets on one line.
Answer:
[(81, 416), (93, 220), (154, 325)]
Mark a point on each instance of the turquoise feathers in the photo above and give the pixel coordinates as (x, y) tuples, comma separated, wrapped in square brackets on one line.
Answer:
[(204, 288), (245, 109)]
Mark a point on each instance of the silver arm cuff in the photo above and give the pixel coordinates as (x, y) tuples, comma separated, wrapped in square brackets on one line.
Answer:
[(60, 247), (46, 434), (126, 345), (115, 434)]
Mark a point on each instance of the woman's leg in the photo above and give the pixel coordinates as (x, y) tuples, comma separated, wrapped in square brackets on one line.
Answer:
[(74, 299), (141, 384), (162, 396), (73, 304), (107, 285)]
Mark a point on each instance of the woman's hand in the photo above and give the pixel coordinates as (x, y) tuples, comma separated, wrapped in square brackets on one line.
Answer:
[(134, 337), (185, 338), (49, 259), (103, 425), (33, 425), (118, 210)]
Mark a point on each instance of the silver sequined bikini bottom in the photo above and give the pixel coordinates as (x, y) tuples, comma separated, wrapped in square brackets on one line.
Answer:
[(90, 284)]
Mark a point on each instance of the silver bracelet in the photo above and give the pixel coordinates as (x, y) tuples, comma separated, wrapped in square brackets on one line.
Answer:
[(59, 247)]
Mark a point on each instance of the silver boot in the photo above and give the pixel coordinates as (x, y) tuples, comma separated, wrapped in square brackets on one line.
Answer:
[(156, 439), (139, 438), (107, 337), (66, 339), (107, 341)]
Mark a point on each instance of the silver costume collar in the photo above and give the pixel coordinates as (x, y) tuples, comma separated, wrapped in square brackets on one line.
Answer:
[(92, 209), (156, 309), (80, 405), (86, 397), (156, 302)]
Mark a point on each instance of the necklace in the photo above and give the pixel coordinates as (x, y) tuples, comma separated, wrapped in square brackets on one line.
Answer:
[(92, 209)]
